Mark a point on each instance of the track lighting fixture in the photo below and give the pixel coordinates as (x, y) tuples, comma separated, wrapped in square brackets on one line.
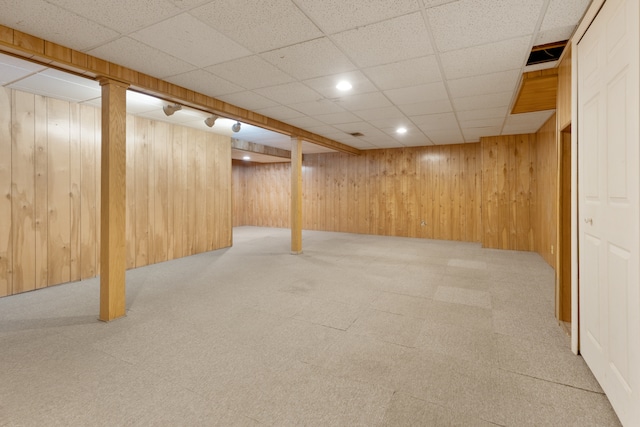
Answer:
[(211, 120), (170, 109), (236, 127)]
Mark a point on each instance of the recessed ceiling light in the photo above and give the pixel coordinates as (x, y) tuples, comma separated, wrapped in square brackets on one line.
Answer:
[(344, 85), (401, 130), (246, 158)]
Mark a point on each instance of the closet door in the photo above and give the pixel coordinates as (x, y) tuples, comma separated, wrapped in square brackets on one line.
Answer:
[(609, 215)]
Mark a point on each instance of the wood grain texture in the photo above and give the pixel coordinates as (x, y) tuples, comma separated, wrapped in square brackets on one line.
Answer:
[(296, 195), (537, 92), (6, 244), (507, 174), (42, 193), (59, 228), (51, 166), (23, 192), (385, 192), (74, 190), (33, 48), (545, 198), (114, 201), (88, 192), (563, 107)]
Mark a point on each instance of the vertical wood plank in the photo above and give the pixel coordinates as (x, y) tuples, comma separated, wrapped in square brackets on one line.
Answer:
[(141, 156), (6, 252), (200, 244), (59, 247), (191, 169), (74, 191), (160, 191), (131, 192), (23, 191), (171, 238), (296, 195), (211, 194), (41, 208), (88, 193), (151, 189)]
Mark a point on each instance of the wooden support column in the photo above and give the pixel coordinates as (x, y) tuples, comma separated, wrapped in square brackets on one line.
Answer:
[(296, 195), (113, 200)]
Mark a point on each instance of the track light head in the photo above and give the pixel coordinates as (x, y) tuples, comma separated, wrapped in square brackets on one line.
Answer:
[(170, 109), (211, 120), (236, 127)]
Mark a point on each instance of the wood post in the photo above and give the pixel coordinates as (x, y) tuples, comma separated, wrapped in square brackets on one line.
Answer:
[(296, 195), (113, 200)]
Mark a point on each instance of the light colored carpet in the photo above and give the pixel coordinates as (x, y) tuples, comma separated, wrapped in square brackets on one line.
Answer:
[(358, 330)]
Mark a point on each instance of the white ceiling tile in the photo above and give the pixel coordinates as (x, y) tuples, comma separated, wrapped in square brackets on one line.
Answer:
[(498, 121), (411, 72), (526, 122), (188, 4), (474, 134), (324, 130), (445, 137), (140, 103), (486, 59), (326, 85), (205, 83), (489, 83), (363, 101), (338, 118), (135, 55), (338, 15), (483, 113), (310, 59), (389, 41), (251, 72), (380, 113), (42, 19), (190, 40), (304, 122), (467, 23), (390, 123), (433, 3), (427, 107), (289, 93), (433, 122), (280, 112), (362, 127), (123, 16), (554, 35), (492, 100), (563, 13), (248, 100), (314, 108), (12, 69), (56, 84), (258, 25), (415, 94)]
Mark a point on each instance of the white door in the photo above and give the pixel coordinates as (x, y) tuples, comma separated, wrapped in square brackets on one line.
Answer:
[(609, 216)]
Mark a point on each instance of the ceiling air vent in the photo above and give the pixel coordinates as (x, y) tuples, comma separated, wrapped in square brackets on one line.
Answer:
[(546, 52), (356, 134)]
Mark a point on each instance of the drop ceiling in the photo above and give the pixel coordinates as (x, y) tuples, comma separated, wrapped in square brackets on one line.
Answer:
[(447, 71)]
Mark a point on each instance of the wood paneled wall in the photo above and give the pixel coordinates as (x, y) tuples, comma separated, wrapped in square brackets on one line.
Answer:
[(501, 192), (564, 90), (507, 186), (383, 192), (178, 191), (546, 192)]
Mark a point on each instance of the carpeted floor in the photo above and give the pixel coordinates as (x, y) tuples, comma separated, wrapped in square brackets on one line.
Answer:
[(357, 331)]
